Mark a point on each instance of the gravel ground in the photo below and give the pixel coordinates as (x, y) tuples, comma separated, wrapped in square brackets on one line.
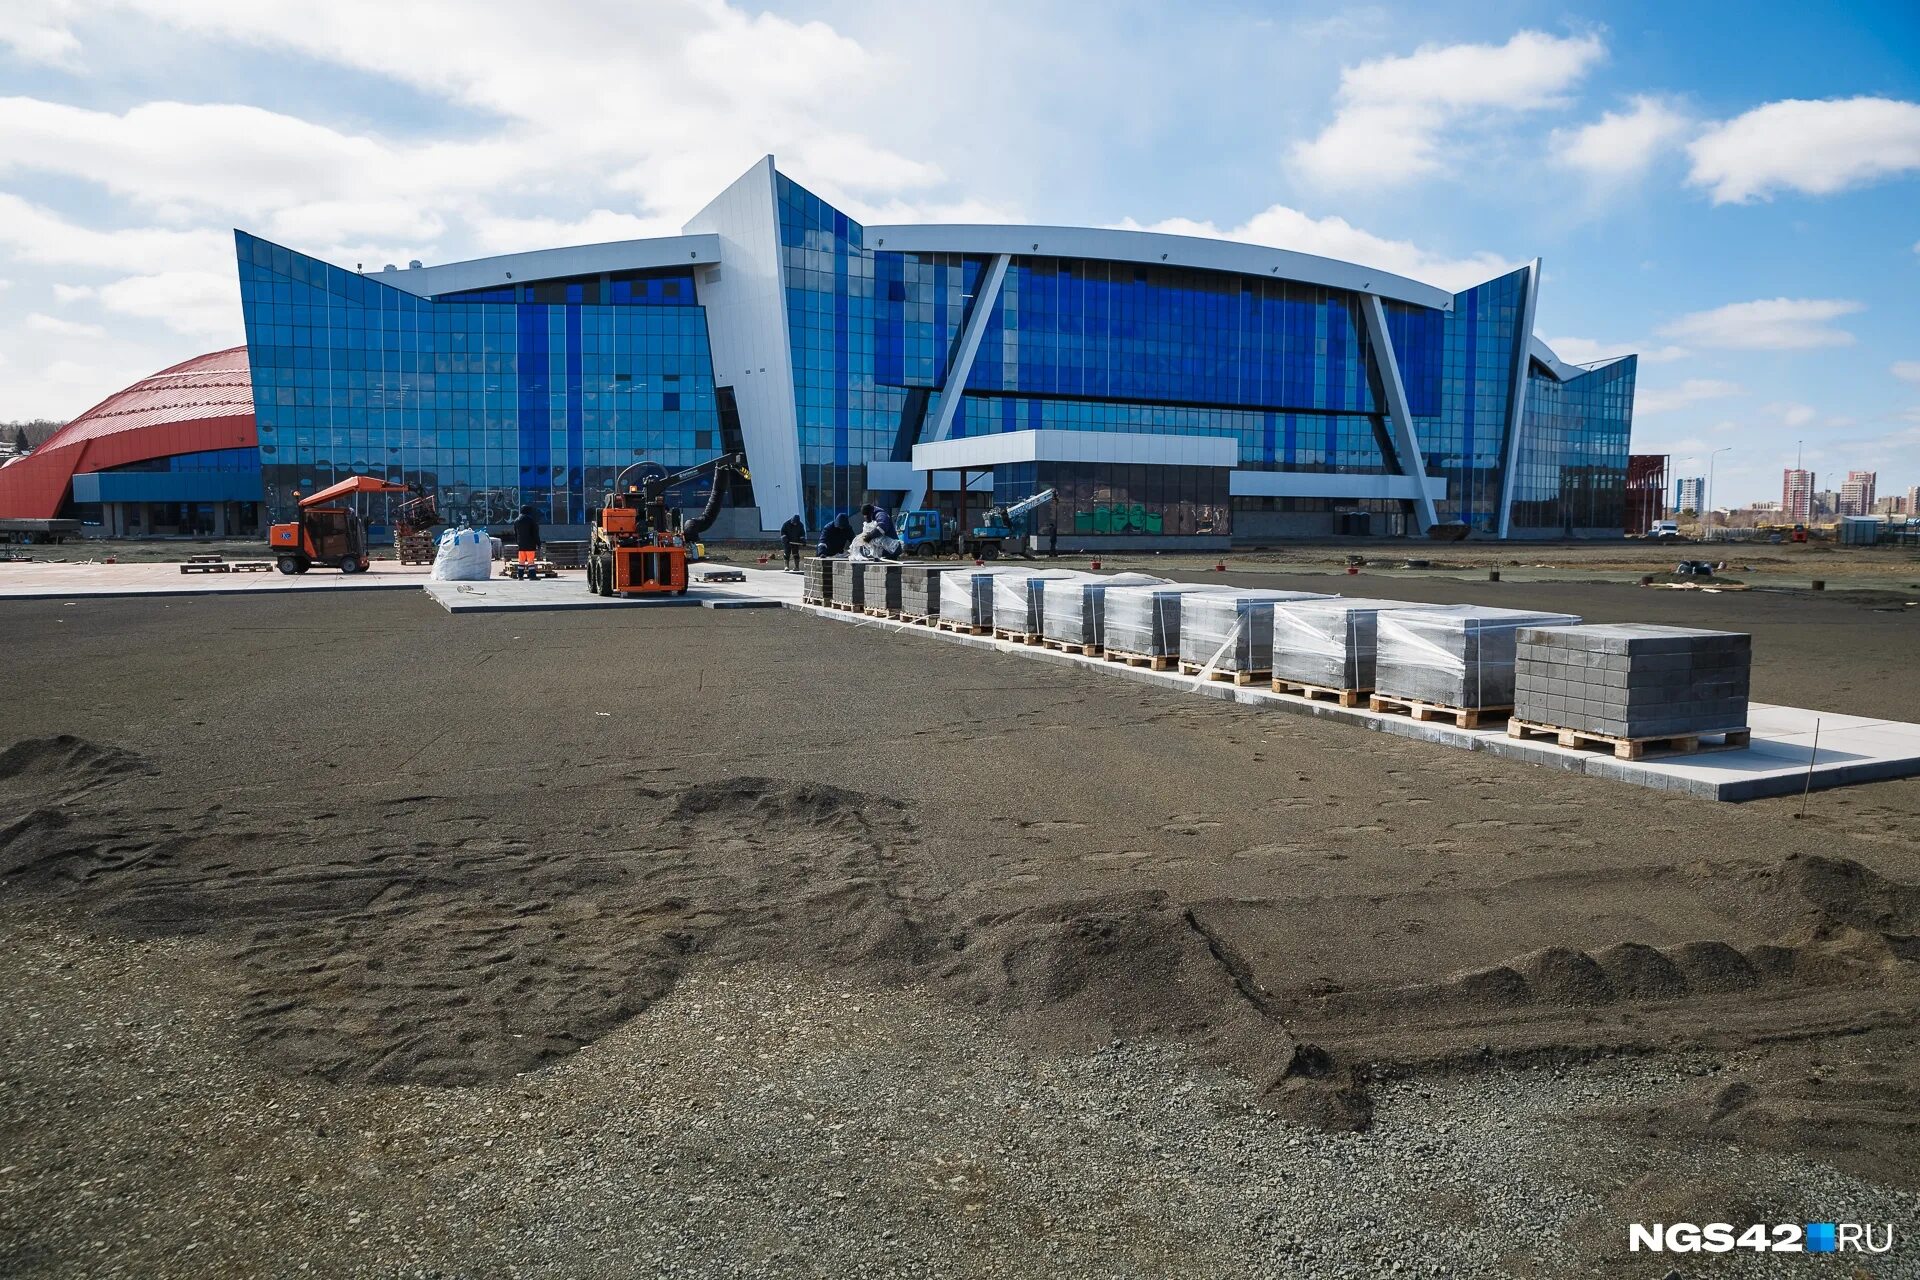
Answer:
[(764, 1121)]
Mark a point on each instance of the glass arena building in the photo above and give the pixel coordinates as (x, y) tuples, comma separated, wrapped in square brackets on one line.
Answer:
[(1173, 391)]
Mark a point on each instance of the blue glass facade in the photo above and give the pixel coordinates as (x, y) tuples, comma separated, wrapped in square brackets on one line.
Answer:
[(1571, 475), (535, 395), (541, 391)]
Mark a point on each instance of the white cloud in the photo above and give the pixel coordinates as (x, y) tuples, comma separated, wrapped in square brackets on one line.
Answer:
[(1621, 144), (1394, 113), (66, 293), (1906, 370), (1590, 351), (513, 235), (1816, 148), (199, 303), (1649, 400), (39, 235), (1334, 237), (1767, 324), (39, 322), (37, 31), (1791, 414)]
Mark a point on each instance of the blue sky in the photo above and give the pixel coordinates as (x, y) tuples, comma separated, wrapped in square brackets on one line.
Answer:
[(1732, 191)]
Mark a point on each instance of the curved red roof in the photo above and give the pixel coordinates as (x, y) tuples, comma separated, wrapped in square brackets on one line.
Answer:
[(199, 404)]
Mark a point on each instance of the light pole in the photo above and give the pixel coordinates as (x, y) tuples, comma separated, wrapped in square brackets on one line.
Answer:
[(1708, 504)]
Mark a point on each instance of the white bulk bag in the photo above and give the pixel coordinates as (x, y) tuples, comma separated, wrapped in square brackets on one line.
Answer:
[(463, 555)]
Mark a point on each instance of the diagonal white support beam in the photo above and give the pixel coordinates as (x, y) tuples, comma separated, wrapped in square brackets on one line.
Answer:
[(961, 367), (1517, 408), (1413, 463)]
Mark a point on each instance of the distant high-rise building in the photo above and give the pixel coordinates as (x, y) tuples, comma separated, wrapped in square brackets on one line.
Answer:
[(1891, 505), (1796, 494), (1913, 501), (1689, 492), (1856, 495)]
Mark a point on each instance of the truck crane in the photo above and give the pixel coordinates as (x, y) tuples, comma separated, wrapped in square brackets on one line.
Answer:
[(638, 545), (324, 532), (984, 541)]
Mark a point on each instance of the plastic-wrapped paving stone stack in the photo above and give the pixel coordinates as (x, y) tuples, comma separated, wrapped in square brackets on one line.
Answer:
[(1231, 629), (1074, 613), (1456, 655), (1144, 622), (920, 588), (1018, 598), (966, 597), (1328, 643), (1633, 680), (879, 584), (817, 588)]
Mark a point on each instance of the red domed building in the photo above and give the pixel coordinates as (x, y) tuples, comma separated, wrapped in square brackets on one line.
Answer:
[(175, 453)]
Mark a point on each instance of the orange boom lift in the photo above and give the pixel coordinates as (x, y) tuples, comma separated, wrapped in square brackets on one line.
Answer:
[(638, 546), (330, 534)]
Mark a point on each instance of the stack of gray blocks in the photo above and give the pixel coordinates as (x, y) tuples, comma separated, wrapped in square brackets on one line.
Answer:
[(1145, 621), (1456, 655), (1329, 643), (1075, 612), (818, 586), (1020, 597), (848, 589), (920, 588), (966, 597), (880, 584), (1231, 629), (1633, 680)]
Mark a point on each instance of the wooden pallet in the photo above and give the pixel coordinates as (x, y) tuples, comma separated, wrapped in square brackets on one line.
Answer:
[(872, 612), (1630, 748), (1151, 661), (1462, 717), (1018, 637), (1225, 676), (723, 575), (413, 548), (204, 565), (1321, 692), (962, 628), (1067, 646), (250, 566)]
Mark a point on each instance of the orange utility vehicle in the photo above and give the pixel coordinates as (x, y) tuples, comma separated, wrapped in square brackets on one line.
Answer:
[(638, 545), (327, 533)]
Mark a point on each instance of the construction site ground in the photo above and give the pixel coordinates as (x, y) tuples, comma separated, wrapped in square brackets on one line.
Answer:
[(345, 937)]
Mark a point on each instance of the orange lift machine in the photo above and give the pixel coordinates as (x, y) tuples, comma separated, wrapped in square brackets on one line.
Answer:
[(328, 533), (638, 545)]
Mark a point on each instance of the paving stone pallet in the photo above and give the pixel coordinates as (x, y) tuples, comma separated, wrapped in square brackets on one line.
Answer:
[(849, 589), (1019, 597), (817, 584), (966, 598), (880, 585), (1232, 629), (1073, 614), (920, 588), (1458, 656), (1328, 643), (1633, 680), (1145, 621)]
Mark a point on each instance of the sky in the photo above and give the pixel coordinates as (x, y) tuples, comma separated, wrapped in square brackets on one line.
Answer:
[(1730, 190)]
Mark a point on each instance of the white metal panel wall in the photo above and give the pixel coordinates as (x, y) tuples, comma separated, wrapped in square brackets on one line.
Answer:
[(747, 327)]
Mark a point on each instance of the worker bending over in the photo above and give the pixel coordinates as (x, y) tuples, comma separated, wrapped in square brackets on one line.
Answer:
[(792, 535), (836, 537)]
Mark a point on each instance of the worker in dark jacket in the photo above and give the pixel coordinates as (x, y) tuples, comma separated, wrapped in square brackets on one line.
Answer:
[(793, 534), (836, 537), (526, 534)]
